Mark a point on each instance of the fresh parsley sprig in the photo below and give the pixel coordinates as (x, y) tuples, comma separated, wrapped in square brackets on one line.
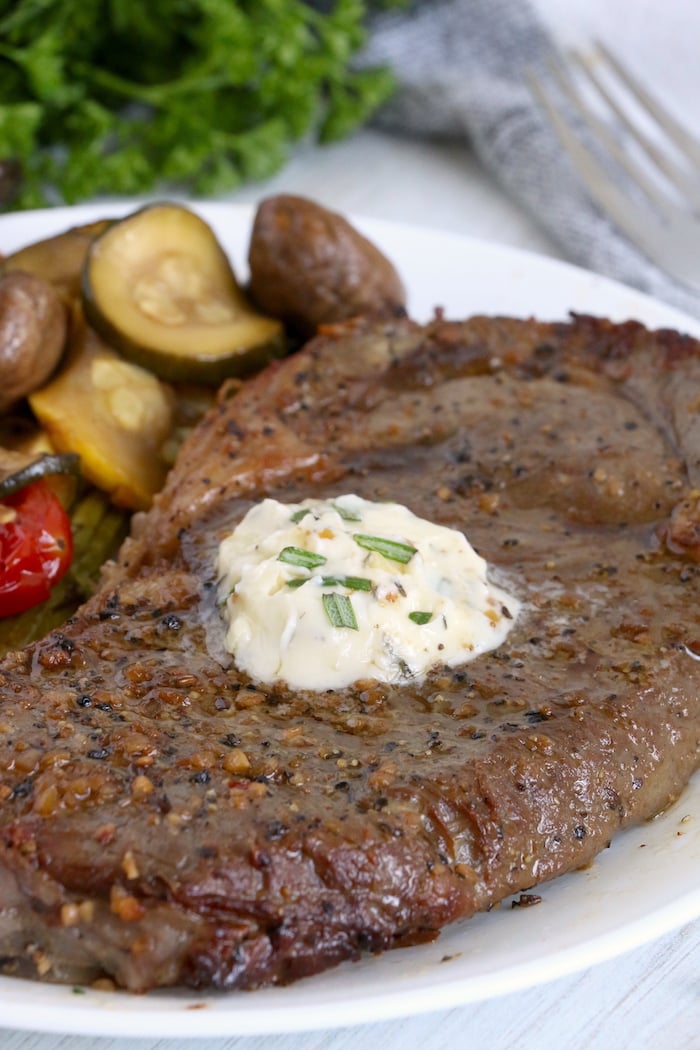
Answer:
[(125, 97)]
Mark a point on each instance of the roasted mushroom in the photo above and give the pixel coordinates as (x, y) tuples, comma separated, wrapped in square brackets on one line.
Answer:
[(310, 266), (32, 334)]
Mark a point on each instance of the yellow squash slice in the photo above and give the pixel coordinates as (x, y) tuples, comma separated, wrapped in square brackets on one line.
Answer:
[(115, 415), (58, 260)]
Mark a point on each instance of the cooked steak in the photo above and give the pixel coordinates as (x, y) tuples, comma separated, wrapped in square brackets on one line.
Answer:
[(164, 820)]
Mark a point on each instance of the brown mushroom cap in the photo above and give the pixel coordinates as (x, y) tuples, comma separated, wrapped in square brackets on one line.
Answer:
[(310, 266), (32, 334)]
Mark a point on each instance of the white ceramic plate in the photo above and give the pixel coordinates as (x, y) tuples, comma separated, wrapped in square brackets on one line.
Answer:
[(645, 885)]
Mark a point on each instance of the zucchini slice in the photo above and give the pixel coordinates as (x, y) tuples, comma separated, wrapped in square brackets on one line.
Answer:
[(18, 470), (115, 415), (158, 287)]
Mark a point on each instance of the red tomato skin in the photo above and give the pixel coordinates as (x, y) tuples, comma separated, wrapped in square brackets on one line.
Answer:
[(36, 548)]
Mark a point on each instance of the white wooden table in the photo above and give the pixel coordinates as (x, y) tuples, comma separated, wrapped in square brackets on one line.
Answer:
[(651, 997)]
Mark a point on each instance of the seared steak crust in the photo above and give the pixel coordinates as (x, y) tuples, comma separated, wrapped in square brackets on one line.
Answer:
[(164, 820)]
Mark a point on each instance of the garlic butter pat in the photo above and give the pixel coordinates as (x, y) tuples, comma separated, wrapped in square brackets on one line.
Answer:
[(321, 593)]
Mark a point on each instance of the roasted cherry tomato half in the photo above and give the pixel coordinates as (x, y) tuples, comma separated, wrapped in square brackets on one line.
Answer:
[(36, 547)]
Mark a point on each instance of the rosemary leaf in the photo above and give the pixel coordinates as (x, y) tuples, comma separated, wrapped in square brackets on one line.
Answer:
[(339, 610), (346, 515), (390, 549), (299, 515), (299, 556), (353, 583)]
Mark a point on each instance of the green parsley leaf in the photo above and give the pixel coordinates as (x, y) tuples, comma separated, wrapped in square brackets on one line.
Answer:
[(339, 610), (198, 95), (420, 617)]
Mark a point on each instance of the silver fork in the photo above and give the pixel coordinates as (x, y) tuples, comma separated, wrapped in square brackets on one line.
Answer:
[(662, 213)]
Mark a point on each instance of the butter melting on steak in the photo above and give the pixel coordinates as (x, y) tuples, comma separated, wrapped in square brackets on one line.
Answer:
[(166, 821)]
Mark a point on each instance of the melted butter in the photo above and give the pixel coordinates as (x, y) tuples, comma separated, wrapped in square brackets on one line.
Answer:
[(322, 593)]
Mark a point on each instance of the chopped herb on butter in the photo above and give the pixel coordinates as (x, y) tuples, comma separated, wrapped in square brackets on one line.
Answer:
[(299, 556), (353, 583), (339, 610), (402, 552), (347, 515), (300, 515)]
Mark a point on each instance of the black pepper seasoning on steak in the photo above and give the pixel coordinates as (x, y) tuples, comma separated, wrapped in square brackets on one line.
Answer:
[(164, 820)]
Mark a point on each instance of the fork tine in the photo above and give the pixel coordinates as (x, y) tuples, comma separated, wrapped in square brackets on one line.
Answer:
[(599, 184), (685, 141), (681, 178), (660, 200)]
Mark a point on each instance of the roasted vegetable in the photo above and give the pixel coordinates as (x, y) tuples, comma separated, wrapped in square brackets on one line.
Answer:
[(115, 415), (58, 260), (98, 529), (17, 470), (159, 288), (36, 547), (309, 266), (23, 444), (32, 334)]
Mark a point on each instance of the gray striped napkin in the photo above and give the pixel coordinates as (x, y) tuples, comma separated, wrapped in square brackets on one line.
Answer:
[(459, 66)]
